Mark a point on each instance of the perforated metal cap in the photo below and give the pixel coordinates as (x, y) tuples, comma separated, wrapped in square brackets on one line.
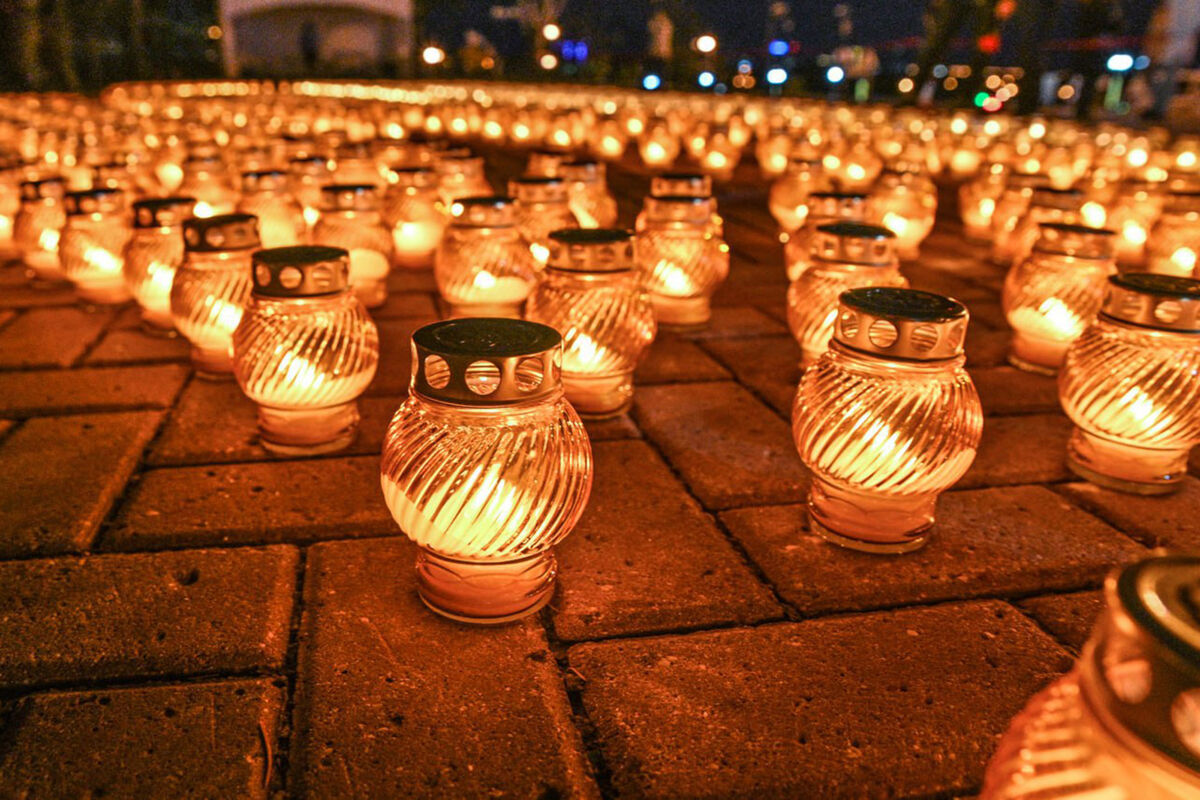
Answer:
[(585, 170), (220, 233), (1163, 302), (854, 243), (836, 205), (162, 212), (300, 271), (689, 184), (694, 209), (486, 361), (901, 323), (591, 250), (492, 211), (1063, 199), (1076, 241), (1150, 677), (350, 197), (43, 188), (1182, 202), (418, 177), (99, 200), (264, 180), (538, 189)]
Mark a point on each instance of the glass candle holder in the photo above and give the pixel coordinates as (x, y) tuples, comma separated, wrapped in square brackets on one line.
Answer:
[(154, 252), (412, 210), (486, 466), (1174, 244), (93, 243), (546, 163), (888, 418), (12, 173), (824, 208), (1047, 204), (1132, 214), (1010, 208), (267, 195), (683, 184), (720, 154), (681, 261), (657, 146), (212, 286), (1122, 723), (541, 207), (608, 139), (206, 178), (788, 198), (351, 219), (1052, 296), (483, 267), (905, 202), (977, 199), (1131, 385), (460, 174), (592, 295), (306, 175), (305, 349), (845, 255), (38, 226), (587, 194), (354, 164)]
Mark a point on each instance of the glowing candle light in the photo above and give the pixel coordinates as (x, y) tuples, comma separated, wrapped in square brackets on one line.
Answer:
[(306, 176), (460, 174), (681, 261), (788, 198), (483, 267), (351, 219), (1174, 240), (305, 349), (1046, 204), (206, 178), (905, 202), (546, 163), (154, 252), (266, 195), (541, 208), (658, 147), (592, 295), (823, 208), (212, 287), (587, 193), (38, 225), (683, 184), (93, 241), (1131, 385), (887, 419), (486, 466), (1050, 297), (412, 210), (1009, 210)]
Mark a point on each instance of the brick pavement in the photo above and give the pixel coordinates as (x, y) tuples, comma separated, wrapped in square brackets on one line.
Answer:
[(174, 622)]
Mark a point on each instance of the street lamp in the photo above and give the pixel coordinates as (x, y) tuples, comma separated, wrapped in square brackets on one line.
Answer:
[(551, 32), (706, 43), (433, 55)]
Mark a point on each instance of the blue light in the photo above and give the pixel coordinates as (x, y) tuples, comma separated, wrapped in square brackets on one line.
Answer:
[(706, 79), (777, 48), (776, 76), (651, 82), (1120, 62), (1141, 62), (835, 74), (581, 51), (568, 49), (745, 66)]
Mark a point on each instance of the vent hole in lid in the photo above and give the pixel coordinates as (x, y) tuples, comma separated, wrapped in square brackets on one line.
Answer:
[(1185, 717), (923, 338), (437, 372), (849, 324), (1131, 305), (882, 333), (956, 334), (290, 277), (530, 373), (1127, 671), (483, 377), (1168, 311)]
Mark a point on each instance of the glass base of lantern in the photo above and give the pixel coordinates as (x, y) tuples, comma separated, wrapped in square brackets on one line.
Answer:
[(1039, 356), (978, 234), (310, 431), (371, 294), (485, 592), (414, 260), (599, 396), (868, 523), (212, 365), (44, 269), (158, 325), (105, 294), (1123, 467), (505, 310), (681, 313)]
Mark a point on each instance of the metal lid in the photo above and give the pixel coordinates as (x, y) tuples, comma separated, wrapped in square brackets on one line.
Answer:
[(591, 250), (1076, 241), (492, 211), (417, 177), (1049, 197), (582, 169), (1182, 203), (97, 200), (202, 160), (854, 243), (264, 180), (350, 197), (220, 233), (452, 164), (1147, 650), (1162, 302), (300, 271), (486, 361), (162, 212), (546, 161), (43, 188), (901, 323), (679, 208), (691, 184), (1022, 181), (538, 189), (836, 205)]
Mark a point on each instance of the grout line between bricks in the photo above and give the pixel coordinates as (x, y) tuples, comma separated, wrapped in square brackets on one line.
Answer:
[(282, 779)]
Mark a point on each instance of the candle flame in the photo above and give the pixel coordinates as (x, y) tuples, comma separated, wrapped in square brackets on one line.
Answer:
[(1185, 259), (202, 210), (1093, 214), (102, 259), (1134, 233)]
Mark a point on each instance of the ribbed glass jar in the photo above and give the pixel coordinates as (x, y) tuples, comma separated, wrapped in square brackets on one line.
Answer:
[(541, 208), (682, 184), (1046, 205), (1010, 208), (1132, 215), (486, 466), (977, 201), (351, 219), (788, 197), (1174, 244), (887, 419), (154, 252), (267, 195), (412, 210), (845, 255), (904, 200), (1131, 385), (483, 266), (823, 208), (657, 146), (212, 286), (305, 349), (587, 194), (38, 226), (306, 175), (1053, 295), (92, 246), (206, 178), (592, 295), (1121, 725), (460, 174), (681, 261)]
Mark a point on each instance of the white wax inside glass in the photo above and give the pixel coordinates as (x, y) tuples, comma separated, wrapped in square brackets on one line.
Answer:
[(367, 265)]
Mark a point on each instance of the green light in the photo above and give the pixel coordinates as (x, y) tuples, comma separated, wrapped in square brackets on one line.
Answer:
[(981, 98)]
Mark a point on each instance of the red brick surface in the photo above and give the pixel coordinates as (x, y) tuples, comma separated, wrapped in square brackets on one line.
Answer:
[(50, 337), (1164, 521), (36, 392), (1069, 618)]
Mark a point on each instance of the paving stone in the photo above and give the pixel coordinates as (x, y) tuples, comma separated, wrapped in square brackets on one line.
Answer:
[(1068, 617), (395, 354), (36, 296), (730, 448), (61, 476), (50, 337), (738, 321), (1006, 390), (672, 359), (36, 392), (891, 704), (603, 430), (986, 347), (938, 281), (1024, 449), (285, 501), (128, 346), (770, 365), (195, 740), (146, 614), (985, 543), (395, 700), (754, 284), (622, 570), (988, 313), (411, 280), (1163, 521), (406, 304)]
